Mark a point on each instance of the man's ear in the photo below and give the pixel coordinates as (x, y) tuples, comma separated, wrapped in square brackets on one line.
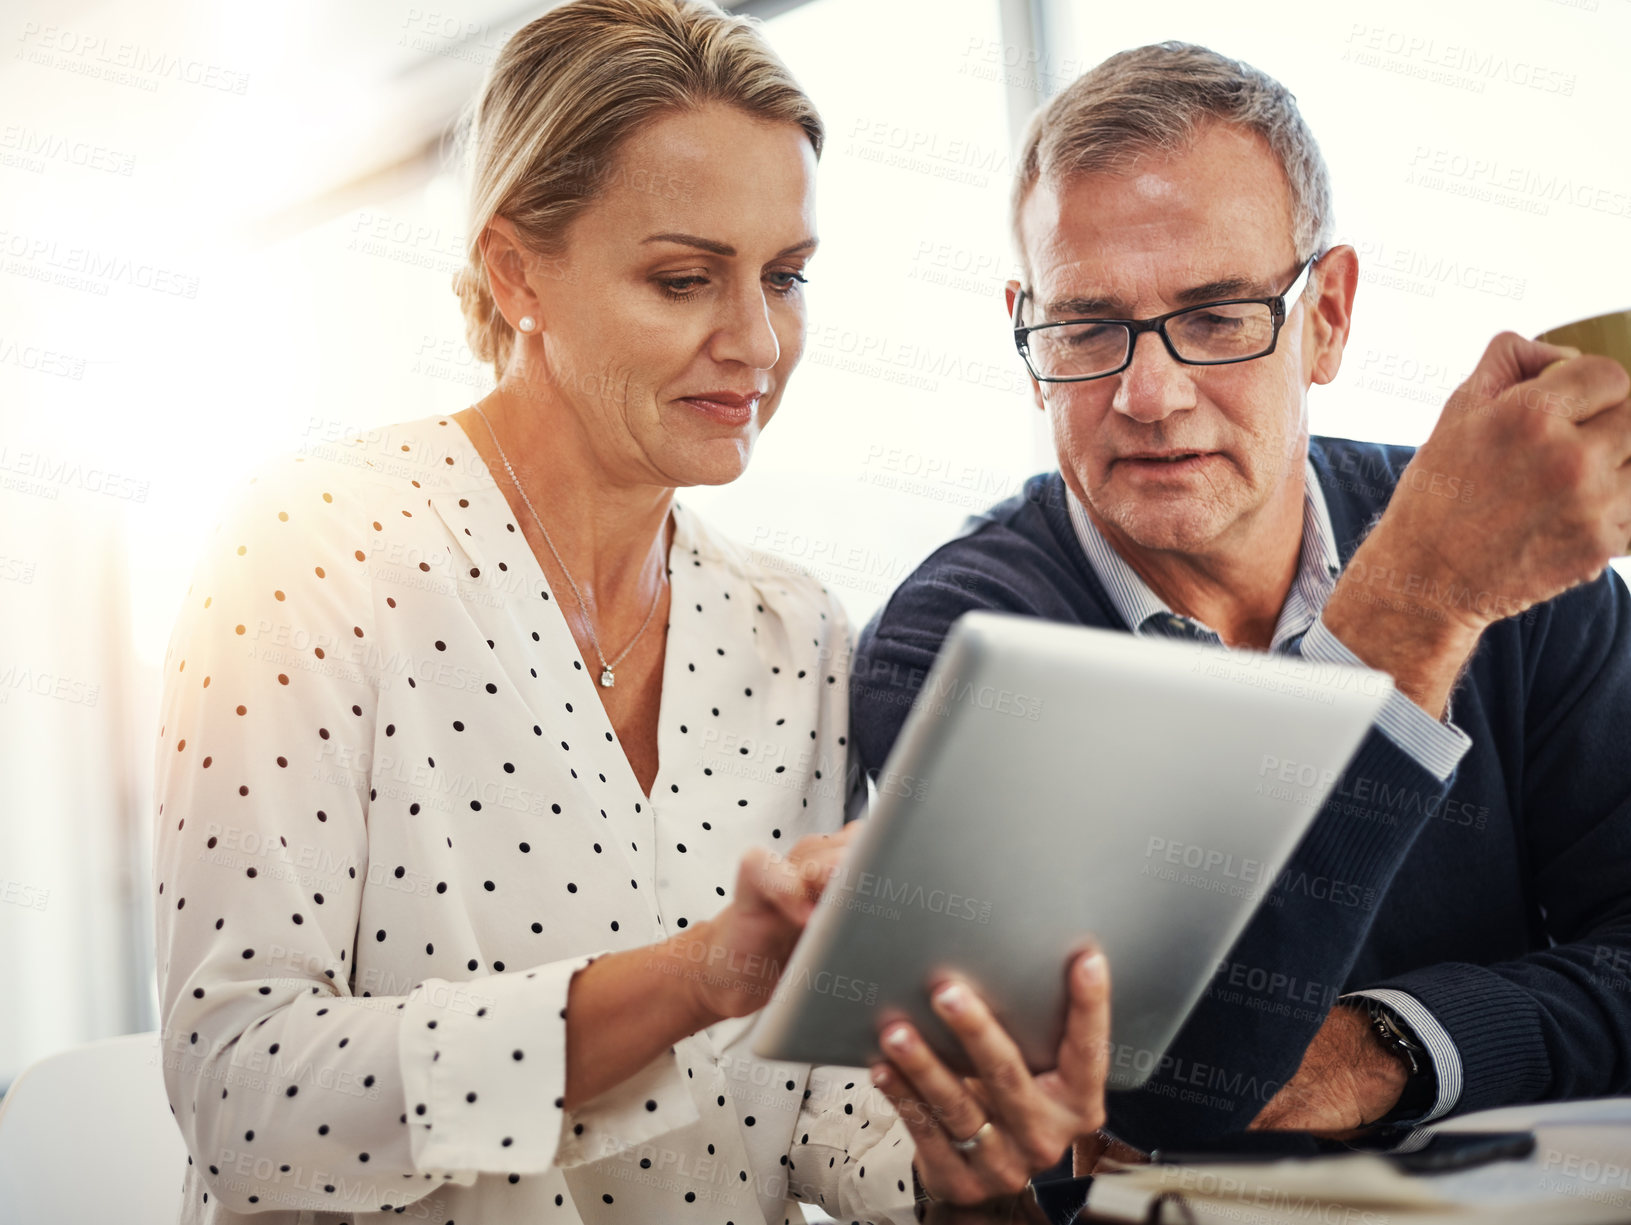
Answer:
[(1010, 292), (1330, 314)]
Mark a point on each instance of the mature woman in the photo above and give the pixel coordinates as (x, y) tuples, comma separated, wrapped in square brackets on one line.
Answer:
[(464, 882)]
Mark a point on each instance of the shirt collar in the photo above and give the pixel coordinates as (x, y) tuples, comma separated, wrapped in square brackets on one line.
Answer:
[(1317, 570)]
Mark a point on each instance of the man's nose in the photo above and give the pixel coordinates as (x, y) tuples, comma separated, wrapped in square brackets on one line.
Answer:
[(1155, 385)]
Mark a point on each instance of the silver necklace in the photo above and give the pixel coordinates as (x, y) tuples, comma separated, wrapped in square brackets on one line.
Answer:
[(607, 678)]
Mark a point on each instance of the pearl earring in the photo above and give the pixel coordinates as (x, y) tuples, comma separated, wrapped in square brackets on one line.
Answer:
[(527, 323)]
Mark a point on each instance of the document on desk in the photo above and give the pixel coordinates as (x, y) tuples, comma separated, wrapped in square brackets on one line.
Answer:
[(1578, 1174)]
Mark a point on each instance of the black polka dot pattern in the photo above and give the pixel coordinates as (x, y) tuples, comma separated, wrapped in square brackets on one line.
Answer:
[(402, 823)]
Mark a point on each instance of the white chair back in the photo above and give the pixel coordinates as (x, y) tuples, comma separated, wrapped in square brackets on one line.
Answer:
[(87, 1135)]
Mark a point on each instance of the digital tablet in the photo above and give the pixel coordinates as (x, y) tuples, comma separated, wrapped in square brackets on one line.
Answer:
[(1054, 783)]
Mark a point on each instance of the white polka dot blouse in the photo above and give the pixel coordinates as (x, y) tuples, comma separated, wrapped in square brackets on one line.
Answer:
[(393, 820)]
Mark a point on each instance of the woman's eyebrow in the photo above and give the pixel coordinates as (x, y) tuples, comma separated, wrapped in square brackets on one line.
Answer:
[(720, 248)]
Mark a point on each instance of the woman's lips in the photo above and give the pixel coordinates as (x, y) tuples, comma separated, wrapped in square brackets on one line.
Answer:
[(725, 407)]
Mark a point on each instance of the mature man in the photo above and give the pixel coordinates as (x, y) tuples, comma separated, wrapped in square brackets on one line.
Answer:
[(1471, 943)]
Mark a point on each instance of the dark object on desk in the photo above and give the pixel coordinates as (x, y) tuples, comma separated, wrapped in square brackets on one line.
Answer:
[(1444, 1152), (1453, 1150)]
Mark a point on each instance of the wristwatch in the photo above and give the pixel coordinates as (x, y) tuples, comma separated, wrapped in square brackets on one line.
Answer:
[(1394, 1033)]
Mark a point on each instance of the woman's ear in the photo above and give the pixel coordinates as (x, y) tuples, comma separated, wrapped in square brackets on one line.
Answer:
[(507, 261)]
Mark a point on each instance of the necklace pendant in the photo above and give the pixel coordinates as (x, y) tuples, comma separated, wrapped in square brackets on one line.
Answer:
[(606, 678)]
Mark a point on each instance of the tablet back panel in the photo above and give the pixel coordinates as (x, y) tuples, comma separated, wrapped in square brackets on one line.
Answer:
[(1058, 782)]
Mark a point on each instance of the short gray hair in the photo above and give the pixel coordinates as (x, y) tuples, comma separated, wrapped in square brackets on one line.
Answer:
[(1154, 99)]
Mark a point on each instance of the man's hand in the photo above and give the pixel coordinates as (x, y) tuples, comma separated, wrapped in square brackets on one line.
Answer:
[(1521, 492), (1347, 1079)]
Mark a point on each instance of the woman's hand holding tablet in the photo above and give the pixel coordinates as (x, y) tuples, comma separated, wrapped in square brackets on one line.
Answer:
[(985, 1136)]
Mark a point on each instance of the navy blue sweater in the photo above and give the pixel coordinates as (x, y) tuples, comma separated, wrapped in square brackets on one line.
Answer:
[(1501, 898)]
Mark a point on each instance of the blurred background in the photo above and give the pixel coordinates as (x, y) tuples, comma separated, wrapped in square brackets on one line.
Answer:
[(228, 230)]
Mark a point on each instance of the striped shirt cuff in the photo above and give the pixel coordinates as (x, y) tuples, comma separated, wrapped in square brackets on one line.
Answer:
[(1440, 1049), (1437, 747)]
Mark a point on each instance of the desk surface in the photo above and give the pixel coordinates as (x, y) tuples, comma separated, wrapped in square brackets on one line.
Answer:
[(1579, 1173)]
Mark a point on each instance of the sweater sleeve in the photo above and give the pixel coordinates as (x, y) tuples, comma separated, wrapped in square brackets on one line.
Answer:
[(297, 1083), (1556, 1023)]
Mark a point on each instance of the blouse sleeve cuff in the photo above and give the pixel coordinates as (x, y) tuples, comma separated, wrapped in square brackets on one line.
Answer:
[(651, 1103), (484, 1068), (851, 1151), (883, 1176)]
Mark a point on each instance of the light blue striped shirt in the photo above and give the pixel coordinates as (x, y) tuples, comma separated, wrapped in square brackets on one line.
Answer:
[(1301, 630)]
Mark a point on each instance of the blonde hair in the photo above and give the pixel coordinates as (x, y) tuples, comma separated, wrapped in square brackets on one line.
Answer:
[(1155, 98), (541, 137)]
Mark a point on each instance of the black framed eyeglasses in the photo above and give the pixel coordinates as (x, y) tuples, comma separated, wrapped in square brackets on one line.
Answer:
[(1211, 334)]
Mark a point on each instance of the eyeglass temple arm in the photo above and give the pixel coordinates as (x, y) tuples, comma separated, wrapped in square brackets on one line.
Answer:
[(1293, 291)]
